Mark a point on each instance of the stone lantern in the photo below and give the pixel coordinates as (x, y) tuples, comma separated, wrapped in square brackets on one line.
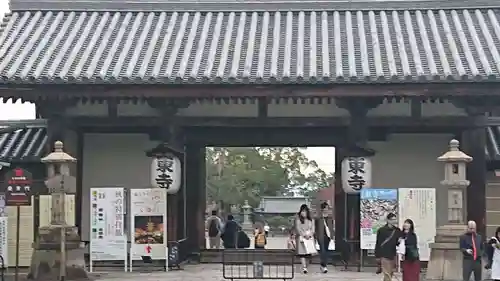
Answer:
[(57, 252), (445, 262)]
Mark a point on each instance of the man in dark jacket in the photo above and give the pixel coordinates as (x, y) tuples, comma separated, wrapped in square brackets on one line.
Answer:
[(471, 245), (324, 233), (230, 233), (385, 247)]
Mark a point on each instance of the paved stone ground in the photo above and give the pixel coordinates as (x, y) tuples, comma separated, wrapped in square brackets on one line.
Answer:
[(211, 272)]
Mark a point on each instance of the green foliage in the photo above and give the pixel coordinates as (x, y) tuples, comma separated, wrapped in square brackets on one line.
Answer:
[(248, 173)]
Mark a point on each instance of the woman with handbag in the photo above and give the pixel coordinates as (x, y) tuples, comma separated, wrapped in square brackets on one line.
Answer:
[(411, 257), (304, 229)]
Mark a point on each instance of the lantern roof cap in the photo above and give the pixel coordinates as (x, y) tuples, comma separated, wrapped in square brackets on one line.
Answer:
[(454, 154), (58, 155), (164, 148)]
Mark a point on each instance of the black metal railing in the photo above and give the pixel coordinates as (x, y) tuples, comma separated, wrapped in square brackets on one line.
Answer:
[(238, 264)]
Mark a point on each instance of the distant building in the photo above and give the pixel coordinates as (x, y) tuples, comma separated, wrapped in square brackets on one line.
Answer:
[(280, 205)]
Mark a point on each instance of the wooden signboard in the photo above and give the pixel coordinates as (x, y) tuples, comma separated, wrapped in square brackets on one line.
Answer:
[(18, 187)]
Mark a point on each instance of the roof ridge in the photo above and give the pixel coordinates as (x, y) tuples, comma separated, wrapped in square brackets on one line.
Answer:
[(240, 5)]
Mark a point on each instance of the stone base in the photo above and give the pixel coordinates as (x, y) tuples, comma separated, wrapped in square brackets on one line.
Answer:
[(445, 262), (45, 262)]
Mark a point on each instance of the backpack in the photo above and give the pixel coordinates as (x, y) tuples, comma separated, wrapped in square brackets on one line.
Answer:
[(213, 229), (260, 239)]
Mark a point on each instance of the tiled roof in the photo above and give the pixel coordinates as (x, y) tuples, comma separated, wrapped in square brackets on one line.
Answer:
[(251, 47), (22, 141)]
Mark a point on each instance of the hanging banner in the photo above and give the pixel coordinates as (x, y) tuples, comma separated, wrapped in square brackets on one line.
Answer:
[(148, 218), (419, 205), (4, 241), (108, 241), (375, 205)]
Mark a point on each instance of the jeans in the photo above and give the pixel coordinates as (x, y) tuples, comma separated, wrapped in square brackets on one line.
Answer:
[(323, 251)]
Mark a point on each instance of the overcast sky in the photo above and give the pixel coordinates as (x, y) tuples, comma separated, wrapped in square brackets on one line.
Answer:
[(324, 156)]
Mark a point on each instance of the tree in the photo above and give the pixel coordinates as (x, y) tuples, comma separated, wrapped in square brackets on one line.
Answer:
[(238, 174)]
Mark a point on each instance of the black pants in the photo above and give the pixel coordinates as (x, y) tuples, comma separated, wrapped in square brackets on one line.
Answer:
[(323, 251), (471, 266)]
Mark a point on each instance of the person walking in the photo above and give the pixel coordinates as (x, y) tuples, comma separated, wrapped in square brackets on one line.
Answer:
[(493, 253), (304, 229), (214, 228), (411, 258), (324, 235), (471, 245), (388, 237)]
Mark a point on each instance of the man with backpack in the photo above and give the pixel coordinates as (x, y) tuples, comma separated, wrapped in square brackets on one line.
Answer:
[(214, 227)]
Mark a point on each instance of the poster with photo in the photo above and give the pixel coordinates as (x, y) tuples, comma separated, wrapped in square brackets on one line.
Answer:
[(4, 242), (375, 205), (419, 205), (108, 241), (148, 218)]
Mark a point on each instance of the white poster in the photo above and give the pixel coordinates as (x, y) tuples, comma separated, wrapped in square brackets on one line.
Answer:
[(107, 237), (4, 245), (148, 209), (419, 205)]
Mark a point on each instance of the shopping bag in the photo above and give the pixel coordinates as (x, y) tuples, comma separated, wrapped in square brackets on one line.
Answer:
[(331, 245), (401, 248), (309, 246)]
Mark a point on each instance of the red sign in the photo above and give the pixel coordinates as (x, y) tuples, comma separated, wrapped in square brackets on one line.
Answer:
[(18, 187)]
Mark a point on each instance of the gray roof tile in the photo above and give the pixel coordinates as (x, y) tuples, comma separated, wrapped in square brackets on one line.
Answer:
[(251, 47), (21, 142)]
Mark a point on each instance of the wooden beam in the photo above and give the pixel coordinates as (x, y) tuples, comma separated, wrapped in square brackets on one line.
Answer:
[(42, 92), (416, 107), (270, 122), (263, 107), (112, 108)]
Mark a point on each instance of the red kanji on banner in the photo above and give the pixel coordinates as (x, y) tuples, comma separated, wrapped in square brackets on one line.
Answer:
[(148, 249)]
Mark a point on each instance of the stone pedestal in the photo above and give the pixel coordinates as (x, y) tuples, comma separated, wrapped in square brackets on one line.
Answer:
[(45, 262), (445, 262)]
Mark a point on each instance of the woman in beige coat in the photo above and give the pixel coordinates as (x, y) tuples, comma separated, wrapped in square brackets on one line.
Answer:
[(304, 229)]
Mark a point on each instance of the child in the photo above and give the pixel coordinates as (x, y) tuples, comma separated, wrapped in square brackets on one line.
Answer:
[(260, 238)]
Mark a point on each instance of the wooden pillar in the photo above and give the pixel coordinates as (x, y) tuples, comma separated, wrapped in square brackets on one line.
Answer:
[(474, 143), (356, 145), (196, 194), (340, 223)]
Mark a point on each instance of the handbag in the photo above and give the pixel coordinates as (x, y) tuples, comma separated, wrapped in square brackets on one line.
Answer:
[(331, 245), (309, 246)]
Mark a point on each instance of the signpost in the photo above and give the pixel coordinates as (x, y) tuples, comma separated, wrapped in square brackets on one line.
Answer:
[(148, 220), (17, 194), (108, 241)]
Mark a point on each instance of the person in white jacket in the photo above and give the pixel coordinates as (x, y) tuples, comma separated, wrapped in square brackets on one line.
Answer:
[(493, 252)]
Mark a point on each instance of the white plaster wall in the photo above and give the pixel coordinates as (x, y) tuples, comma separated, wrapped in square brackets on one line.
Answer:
[(113, 160), (409, 160), (402, 161)]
